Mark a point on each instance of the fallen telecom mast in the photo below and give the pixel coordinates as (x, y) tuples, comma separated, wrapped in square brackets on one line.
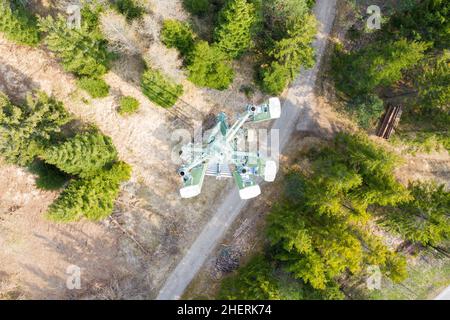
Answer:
[(219, 156)]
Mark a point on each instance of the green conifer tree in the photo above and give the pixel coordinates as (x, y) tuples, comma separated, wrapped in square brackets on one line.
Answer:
[(425, 219), (234, 31), (83, 155), (17, 24), (426, 20), (254, 282), (313, 248), (26, 129), (290, 54), (92, 197), (375, 66), (295, 50), (177, 34), (434, 85), (82, 51), (209, 67)]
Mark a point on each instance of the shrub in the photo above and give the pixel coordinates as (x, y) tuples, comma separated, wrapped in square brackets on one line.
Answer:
[(248, 90), (177, 34), (233, 33), (209, 67), (92, 197), (26, 129), (17, 24), (366, 109), (196, 7), (129, 8), (159, 89), (84, 155), (97, 88), (128, 105)]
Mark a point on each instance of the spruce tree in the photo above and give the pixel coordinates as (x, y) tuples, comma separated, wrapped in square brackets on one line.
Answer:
[(375, 165), (260, 279), (197, 7), (426, 20), (320, 231), (83, 155), (209, 67), (255, 281), (275, 78), (234, 31), (425, 219), (17, 24), (91, 197), (391, 263), (82, 51), (280, 15), (26, 129), (295, 50), (290, 54), (367, 110), (312, 247), (131, 9), (434, 85), (177, 34), (375, 66)]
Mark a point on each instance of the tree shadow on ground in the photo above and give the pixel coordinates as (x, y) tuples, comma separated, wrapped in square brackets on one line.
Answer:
[(15, 84)]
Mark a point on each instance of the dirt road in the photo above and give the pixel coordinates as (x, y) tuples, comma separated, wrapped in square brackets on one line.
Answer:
[(444, 295), (299, 112)]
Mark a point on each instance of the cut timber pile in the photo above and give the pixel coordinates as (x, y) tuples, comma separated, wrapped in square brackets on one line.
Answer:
[(228, 260), (389, 121)]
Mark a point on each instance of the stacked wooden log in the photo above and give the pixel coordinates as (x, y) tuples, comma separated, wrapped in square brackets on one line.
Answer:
[(389, 121)]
